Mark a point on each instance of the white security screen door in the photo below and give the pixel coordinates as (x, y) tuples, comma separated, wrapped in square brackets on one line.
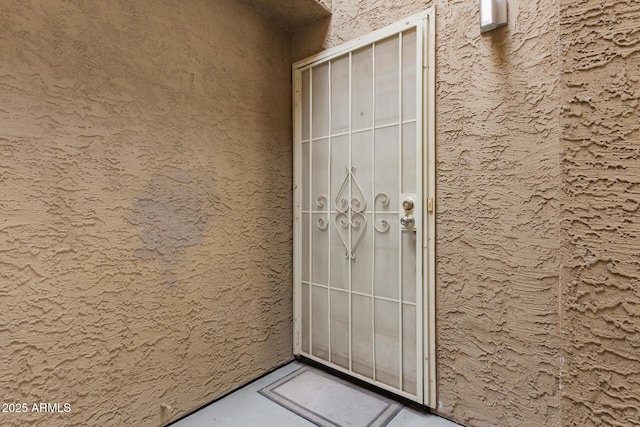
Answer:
[(363, 246)]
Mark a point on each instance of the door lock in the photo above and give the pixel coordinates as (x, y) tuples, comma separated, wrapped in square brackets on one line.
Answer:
[(407, 205)]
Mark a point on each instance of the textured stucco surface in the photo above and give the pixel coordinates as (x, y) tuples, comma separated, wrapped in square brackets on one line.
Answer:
[(145, 193), (600, 119), (498, 173), (497, 225)]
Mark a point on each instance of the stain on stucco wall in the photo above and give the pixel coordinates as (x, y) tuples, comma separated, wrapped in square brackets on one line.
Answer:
[(498, 172), (170, 217), (600, 119), (145, 195)]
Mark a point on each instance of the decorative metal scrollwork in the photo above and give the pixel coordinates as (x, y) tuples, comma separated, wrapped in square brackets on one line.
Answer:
[(384, 199), (342, 216), (342, 206), (342, 219), (322, 223), (384, 224), (358, 218), (351, 214), (342, 203), (357, 205), (322, 200)]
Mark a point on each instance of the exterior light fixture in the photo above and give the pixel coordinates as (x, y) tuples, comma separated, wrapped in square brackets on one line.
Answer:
[(493, 14)]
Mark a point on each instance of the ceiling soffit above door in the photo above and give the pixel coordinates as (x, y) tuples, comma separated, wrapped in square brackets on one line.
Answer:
[(291, 14)]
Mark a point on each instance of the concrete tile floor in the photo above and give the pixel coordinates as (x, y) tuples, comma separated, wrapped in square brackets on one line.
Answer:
[(247, 408)]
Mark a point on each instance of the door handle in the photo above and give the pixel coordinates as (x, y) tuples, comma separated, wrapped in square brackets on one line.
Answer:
[(408, 221)]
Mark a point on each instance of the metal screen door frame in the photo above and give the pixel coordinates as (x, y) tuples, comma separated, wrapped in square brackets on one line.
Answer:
[(424, 25)]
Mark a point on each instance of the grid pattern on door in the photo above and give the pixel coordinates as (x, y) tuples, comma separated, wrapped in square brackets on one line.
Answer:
[(360, 273)]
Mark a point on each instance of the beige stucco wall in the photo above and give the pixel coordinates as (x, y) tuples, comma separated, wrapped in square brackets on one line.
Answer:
[(145, 192), (498, 172), (600, 119)]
